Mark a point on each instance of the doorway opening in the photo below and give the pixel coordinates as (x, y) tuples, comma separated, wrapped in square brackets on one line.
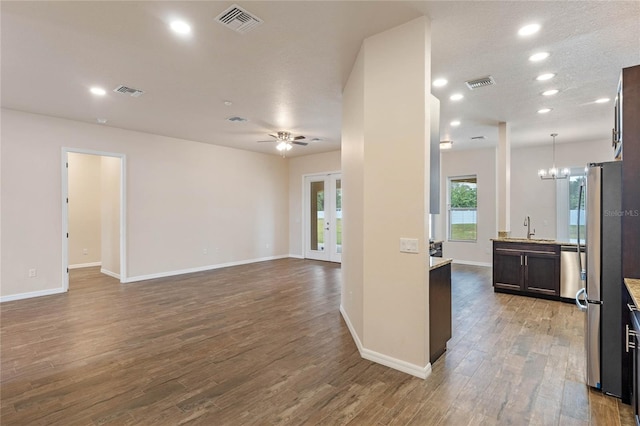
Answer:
[(323, 217), (93, 212)]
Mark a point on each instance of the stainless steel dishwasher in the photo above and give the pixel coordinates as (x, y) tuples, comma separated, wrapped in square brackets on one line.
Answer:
[(570, 271)]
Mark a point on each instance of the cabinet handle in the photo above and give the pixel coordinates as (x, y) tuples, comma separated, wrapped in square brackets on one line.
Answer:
[(628, 335), (526, 260), (521, 256), (631, 307)]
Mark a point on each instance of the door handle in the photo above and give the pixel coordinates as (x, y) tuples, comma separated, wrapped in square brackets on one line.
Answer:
[(582, 307)]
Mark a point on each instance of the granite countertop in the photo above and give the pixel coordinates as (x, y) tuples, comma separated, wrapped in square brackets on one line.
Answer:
[(633, 285), (533, 241), (436, 262)]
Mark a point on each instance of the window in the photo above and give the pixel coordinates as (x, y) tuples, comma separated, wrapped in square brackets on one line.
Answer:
[(568, 193), (463, 208), (574, 209)]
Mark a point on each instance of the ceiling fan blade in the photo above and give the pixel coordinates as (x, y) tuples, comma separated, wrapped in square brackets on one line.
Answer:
[(265, 141), (273, 136), (300, 143), (297, 138)]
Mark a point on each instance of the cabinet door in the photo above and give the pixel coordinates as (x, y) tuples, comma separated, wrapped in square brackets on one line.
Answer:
[(542, 273), (507, 269)]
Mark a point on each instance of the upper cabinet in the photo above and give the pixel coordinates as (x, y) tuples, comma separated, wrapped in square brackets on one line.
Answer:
[(629, 111), (434, 143)]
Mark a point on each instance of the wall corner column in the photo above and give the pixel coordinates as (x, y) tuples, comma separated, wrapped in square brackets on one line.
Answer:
[(503, 180)]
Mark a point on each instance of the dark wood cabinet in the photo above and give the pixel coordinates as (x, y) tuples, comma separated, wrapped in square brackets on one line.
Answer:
[(439, 310), (627, 126), (527, 268)]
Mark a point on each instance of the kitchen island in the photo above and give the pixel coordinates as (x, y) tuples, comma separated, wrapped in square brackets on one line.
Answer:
[(533, 267), (439, 306)]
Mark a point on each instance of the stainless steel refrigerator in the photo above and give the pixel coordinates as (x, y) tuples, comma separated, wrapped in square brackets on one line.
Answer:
[(601, 296)]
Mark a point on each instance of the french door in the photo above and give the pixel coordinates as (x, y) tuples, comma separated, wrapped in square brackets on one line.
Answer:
[(323, 217)]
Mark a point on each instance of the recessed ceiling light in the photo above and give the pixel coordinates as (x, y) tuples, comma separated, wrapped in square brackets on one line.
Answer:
[(456, 97), (550, 92), (544, 110), (439, 82), (602, 100), (101, 120), (180, 27), (529, 29), (455, 123), (98, 91), (538, 56), (543, 77)]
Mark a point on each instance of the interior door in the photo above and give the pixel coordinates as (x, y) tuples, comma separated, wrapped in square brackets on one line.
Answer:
[(323, 217)]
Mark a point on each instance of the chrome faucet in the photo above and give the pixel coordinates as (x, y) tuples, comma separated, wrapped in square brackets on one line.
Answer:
[(527, 223)]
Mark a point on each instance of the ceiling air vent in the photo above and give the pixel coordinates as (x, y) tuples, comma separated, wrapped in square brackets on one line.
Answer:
[(480, 82), (237, 119), (128, 91), (477, 138), (238, 19)]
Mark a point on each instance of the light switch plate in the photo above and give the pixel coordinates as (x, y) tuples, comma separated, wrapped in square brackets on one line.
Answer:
[(409, 245)]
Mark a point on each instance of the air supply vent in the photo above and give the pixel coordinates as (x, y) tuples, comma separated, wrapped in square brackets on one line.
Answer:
[(478, 138), (238, 19), (480, 82), (129, 91), (237, 119)]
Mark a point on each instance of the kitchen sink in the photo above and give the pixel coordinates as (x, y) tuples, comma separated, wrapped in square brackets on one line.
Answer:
[(531, 240)]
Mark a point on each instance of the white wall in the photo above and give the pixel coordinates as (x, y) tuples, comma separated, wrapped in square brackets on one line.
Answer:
[(183, 197), (110, 212), (352, 161), (389, 129), (298, 167), (531, 196), (84, 209), (482, 163)]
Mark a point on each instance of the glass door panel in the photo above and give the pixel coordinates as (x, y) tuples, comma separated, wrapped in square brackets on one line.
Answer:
[(323, 217)]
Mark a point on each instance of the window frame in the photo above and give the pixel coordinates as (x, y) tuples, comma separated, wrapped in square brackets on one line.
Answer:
[(451, 179), (563, 211)]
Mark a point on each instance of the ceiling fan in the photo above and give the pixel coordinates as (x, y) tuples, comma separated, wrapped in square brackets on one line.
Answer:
[(286, 141)]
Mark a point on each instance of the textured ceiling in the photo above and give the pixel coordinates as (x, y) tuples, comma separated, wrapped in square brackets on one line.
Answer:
[(288, 73)]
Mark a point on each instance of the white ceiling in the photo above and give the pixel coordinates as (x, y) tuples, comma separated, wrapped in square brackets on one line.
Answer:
[(288, 73)]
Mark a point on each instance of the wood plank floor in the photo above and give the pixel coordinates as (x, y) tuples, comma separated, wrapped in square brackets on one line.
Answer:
[(265, 344)]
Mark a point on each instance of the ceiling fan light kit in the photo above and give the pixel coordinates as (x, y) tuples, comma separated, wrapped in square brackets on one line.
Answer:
[(286, 141)]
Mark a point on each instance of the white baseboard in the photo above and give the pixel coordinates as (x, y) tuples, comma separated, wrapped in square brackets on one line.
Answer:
[(85, 265), (352, 330), (31, 294), (396, 364), (472, 263), (111, 274), (296, 256), (201, 269)]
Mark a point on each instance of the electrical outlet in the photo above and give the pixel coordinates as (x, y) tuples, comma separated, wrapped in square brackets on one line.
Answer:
[(33, 272), (205, 251), (85, 251)]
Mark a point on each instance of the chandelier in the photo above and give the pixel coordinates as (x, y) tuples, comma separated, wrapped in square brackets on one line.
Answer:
[(553, 172)]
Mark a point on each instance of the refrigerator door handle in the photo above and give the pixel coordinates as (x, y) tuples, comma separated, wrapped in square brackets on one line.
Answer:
[(582, 307)]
